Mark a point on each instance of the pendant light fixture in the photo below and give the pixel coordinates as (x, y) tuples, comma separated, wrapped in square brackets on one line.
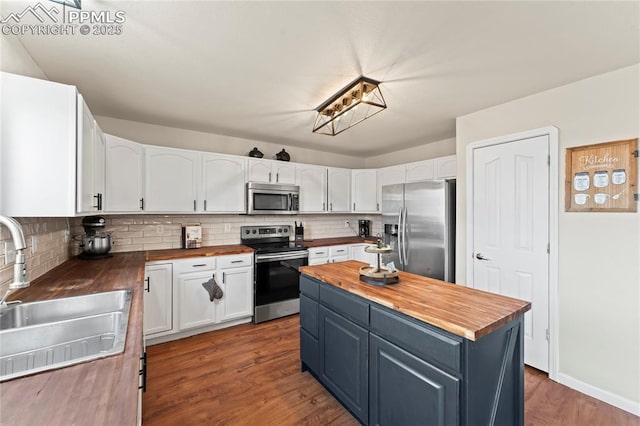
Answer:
[(356, 102)]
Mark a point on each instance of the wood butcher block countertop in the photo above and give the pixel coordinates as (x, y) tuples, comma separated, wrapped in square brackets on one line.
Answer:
[(171, 254), (460, 310), (101, 392), (323, 242)]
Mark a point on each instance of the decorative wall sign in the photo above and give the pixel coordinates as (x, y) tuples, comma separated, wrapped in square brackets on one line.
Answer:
[(602, 177)]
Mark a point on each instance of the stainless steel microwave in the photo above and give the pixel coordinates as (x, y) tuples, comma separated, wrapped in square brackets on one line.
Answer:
[(267, 198)]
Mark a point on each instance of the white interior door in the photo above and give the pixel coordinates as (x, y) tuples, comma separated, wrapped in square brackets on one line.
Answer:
[(511, 232)]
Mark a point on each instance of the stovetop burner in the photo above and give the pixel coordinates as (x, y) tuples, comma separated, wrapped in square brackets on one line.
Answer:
[(269, 239)]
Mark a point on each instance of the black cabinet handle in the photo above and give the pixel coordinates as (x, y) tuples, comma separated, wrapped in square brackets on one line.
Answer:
[(97, 205), (194, 205), (205, 205), (199, 265), (141, 203), (148, 287), (237, 261), (143, 372)]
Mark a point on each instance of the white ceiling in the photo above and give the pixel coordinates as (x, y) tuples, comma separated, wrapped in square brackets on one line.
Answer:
[(258, 70)]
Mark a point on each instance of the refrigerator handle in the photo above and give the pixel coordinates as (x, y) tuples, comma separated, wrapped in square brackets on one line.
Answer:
[(404, 237), (400, 236)]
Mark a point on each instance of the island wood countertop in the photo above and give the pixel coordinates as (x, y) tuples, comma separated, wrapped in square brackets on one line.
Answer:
[(336, 241), (100, 392), (171, 254), (460, 310)]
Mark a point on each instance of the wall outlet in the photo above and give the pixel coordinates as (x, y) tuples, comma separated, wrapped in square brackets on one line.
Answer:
[(346, 223), (9, 253), (227, 227)]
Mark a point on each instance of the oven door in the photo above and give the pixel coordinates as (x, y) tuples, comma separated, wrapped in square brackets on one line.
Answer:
[(277, 288)]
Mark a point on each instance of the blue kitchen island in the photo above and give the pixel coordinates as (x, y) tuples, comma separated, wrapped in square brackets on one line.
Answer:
[(419, 352)]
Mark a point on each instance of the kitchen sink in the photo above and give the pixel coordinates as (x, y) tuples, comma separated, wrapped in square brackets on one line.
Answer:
[(88, 328), (46, 311)]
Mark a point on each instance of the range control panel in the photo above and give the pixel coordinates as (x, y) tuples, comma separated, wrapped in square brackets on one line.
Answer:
[(270, 231)]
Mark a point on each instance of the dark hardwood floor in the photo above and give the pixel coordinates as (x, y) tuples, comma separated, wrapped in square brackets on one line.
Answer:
[(250, 374)]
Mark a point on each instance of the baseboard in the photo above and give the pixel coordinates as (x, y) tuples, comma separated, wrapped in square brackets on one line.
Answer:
[(601, 394)]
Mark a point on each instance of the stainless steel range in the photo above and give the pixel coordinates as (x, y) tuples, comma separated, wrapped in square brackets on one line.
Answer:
[(276, 287)]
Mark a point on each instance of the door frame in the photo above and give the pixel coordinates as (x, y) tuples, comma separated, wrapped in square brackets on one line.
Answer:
[(552, 133)]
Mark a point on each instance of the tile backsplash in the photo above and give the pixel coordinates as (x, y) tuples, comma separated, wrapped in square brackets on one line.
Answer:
[(153, 232), (51, 249), (54, 245)]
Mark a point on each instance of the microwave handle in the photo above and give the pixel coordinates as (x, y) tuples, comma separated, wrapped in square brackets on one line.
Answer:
[(290, 205)]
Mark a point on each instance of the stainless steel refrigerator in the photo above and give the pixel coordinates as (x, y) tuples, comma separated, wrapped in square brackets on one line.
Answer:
[(419, 224)]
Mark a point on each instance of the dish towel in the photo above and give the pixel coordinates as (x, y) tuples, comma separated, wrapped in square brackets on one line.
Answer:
[(212, 287)]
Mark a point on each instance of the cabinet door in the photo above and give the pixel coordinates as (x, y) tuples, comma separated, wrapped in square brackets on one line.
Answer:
[(344, 361), (445, 167), (284, 172), (406, 390), (390, 176), (223, 184), (158, 289), (313, 188), (195, 308), (420, 170), (318, 255), (87, 198), (339, 253), (357, 253), (339, 190), (237, 301), (170, 180), (364, 194), (259, 170), (99, 152), (123, 189)]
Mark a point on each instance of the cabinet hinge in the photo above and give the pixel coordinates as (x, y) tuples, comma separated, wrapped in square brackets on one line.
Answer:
[(547, 335)]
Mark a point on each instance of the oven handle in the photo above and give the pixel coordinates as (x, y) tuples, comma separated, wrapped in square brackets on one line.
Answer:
[(262, 258)]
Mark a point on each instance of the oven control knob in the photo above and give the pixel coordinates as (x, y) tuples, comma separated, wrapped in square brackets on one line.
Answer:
[(285, 230), (253, 231), (246, 231), (279, 230)]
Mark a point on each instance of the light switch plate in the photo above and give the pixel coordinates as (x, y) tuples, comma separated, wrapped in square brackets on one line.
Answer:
[(9, 253)]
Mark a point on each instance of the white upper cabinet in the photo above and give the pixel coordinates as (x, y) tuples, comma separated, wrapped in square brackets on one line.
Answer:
[(419, 170), (38, 167), (123, 188), (445, 167), (339, 190), (223, 189), (364, 194), (391, 175), (171, 180), (90, 176), (271, 171), (313, 188)]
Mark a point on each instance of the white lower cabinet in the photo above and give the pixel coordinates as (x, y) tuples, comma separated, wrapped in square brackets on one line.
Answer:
[(158, 290), (330, 254), (186, 308), (356, 252), (237, 301), (194, 307)]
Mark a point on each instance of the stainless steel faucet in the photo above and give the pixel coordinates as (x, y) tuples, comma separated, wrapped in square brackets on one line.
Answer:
[(19, 268)]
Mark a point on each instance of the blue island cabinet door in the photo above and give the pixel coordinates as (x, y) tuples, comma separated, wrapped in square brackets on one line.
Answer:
[(344, 361), (406, 390)]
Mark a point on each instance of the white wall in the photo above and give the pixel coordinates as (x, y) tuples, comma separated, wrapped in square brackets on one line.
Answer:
[(153, 134), (423, 152), (15, 59), (599, 277)]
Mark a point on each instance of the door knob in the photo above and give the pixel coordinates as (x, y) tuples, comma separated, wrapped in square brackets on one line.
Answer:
[(479, 256)]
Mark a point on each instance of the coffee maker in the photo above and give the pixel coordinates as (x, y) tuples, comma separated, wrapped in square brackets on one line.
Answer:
[(96, 243), (364, 228)]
